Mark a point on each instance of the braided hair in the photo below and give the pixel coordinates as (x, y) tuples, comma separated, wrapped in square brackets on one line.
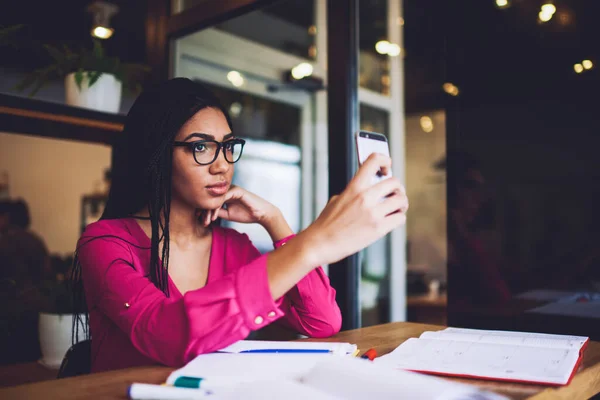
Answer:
[(142, 172)]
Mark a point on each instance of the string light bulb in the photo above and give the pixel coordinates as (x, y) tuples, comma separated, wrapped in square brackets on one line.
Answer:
[(502, 3), (547, 12), (426, 123), (302, 70), (235, 78), (451, 89), (102, 12)]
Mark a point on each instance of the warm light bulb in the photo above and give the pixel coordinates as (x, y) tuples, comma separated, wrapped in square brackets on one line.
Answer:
[(382, 47), (302, 70), (502, 3), (235, 78), (235, 109), (578, 68), (587, 64), (312, 30), (426, 124), (451, 89), (102, 32)]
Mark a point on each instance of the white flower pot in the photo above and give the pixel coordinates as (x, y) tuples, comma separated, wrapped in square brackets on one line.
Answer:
[(104, 95), (55, 337)]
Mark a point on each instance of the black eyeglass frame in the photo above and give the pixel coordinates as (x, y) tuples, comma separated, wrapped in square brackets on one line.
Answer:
[(220, 145)]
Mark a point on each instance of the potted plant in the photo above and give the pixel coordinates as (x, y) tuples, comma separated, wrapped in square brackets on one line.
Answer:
[(55, 320), (92, 79)]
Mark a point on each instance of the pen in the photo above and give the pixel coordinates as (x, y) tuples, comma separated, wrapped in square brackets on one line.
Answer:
[(143, 391), (369, 354), (286, 351), (210, 384)]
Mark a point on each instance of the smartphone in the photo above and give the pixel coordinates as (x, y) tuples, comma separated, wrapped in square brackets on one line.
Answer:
[(368, 143)]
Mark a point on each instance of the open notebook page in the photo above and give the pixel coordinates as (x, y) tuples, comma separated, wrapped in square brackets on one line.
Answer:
[(245, 345), (484, 360), (508, 337)]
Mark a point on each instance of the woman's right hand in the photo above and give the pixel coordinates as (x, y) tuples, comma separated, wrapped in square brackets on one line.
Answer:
[(360, 215)]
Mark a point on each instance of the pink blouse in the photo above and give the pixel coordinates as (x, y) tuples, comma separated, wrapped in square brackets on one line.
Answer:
[(133, 323)]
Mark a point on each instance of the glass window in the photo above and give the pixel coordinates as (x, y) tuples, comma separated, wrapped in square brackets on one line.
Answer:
[(260, 118), (287, 26), (374, 47)]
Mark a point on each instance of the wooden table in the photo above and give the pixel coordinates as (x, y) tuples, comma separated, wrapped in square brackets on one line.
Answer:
[(384, 338)]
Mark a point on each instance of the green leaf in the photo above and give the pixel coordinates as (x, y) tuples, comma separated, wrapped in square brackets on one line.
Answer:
[(94, 76), (79, 78)]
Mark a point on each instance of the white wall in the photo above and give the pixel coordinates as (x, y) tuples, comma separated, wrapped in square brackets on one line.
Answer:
[(426, 188), (51, 176)]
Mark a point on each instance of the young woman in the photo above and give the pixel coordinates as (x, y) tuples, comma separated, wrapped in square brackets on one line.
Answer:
[(164, 283)]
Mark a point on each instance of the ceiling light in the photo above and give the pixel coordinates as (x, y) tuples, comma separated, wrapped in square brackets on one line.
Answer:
[(426, 124), (502, 3), (102, 32), (587, 64), (235, 78), (451, 89), (578, 68), (382, 47), (235, 109), (547, 12), (302, 70), (391, 49), (102, 12)]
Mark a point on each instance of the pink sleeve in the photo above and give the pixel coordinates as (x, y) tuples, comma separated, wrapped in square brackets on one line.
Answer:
[(172, 331), (309, 307)]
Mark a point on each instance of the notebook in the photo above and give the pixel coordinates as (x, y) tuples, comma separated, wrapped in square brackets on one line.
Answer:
[(496, 355), (318, 377)]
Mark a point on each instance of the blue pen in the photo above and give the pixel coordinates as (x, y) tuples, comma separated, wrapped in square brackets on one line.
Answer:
[(286, 351)]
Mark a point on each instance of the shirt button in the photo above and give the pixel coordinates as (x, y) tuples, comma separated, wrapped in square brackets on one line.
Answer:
[(271, 314), (258, 320), (127, 305)]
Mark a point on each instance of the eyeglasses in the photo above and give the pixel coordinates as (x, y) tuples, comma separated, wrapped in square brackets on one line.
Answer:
[(206, 151)]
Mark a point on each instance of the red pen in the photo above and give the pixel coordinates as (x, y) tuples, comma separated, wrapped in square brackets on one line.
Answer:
[(369, 354)]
